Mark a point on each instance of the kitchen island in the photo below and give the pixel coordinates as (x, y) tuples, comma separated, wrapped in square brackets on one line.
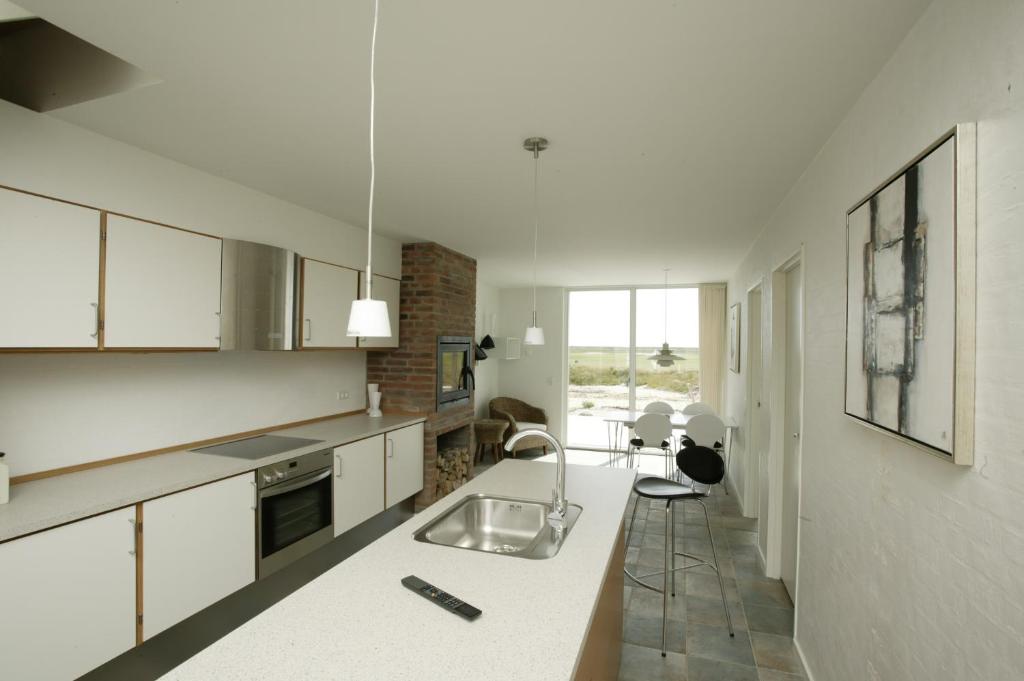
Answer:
[(558, 618)]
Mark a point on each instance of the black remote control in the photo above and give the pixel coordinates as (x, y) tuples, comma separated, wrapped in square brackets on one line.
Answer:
[(445, 600)]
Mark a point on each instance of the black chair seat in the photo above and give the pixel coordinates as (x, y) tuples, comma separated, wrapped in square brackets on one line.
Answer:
[(687, 441), (637, 442), (660, 488)]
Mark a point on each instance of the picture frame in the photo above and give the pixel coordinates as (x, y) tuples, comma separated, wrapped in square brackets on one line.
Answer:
[(910, 301), (513, 348), (734, 337)]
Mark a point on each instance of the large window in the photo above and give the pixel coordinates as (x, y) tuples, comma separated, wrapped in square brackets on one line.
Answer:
[(612, 335)]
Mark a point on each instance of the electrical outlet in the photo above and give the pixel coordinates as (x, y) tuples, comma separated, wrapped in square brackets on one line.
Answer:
[(342, 395)]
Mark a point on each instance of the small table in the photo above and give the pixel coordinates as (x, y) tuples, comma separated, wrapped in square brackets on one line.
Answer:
[(490, 432)]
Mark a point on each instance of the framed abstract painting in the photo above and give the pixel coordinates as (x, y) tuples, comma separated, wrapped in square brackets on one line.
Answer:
[(910, 305), (734, 338)]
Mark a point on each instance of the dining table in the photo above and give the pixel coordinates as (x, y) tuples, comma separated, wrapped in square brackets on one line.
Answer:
[(624, 421)]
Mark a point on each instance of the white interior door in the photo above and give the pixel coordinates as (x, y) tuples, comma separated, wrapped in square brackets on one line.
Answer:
[(755, 411), (358, 482), (793, 420), (404, 460), (50, 273), (327, 295), (198, 546), (162, 287), (388, 290), (68, 598)]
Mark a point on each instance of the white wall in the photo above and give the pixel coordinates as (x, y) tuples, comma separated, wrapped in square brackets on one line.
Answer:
[(68, 409), (538, 377), (486, 371), (910, 567)]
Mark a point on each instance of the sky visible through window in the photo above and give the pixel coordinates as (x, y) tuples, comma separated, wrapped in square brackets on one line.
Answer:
[(601, 318)]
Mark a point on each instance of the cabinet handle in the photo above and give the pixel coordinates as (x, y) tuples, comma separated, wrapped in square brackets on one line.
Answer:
[(135, 538), (309, 329), (337, 457), (391, 447), (96, 309), (255, 495)]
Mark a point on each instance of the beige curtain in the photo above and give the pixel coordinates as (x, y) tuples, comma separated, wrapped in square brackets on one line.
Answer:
[(712, 301)]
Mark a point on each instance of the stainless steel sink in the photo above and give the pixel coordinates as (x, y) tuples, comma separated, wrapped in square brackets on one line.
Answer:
[(511, 527)]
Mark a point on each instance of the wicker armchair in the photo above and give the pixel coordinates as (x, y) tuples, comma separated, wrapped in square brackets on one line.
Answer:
[(520, 416)]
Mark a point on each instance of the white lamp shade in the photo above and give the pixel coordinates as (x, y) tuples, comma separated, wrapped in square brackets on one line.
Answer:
[(534, 335), (369, 318)]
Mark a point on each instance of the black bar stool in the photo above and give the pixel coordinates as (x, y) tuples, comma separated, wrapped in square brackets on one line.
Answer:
[(704, 467)]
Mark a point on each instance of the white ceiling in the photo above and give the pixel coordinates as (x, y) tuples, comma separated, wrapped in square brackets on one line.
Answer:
[(675, 127)]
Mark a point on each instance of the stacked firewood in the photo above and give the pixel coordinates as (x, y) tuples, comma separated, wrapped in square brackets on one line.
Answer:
[(453, 469)]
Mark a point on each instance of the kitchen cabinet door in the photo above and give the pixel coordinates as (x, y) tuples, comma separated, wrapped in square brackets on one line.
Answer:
[(198, 546), (327, 295), (69, 598), (404, 463), (162, 287), (49, 273), (358, 482), (387, 290)]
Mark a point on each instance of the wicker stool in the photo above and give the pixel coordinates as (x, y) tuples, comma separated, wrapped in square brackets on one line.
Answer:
[(490, 432)]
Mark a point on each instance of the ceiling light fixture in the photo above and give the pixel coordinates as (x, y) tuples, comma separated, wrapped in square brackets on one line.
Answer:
[(369, 317), (535, 334), (664, 357)]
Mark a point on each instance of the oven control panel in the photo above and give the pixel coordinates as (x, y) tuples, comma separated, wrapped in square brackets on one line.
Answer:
[(292, 468)]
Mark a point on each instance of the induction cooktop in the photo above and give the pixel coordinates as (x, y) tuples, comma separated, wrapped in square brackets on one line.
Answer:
[(257, 447)]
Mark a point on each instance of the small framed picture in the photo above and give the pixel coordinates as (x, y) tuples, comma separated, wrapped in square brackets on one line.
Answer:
[(513, 348), (734, 338)]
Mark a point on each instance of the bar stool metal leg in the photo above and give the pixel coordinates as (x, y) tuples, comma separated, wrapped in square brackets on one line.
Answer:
[(672, 531), (632, 520), (664, 592), (714, 554)]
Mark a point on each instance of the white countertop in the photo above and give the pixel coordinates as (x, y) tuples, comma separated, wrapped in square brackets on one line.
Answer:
[(357, 621), (49, 502)]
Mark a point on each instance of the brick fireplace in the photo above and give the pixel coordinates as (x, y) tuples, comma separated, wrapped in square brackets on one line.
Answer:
[(438, 298)]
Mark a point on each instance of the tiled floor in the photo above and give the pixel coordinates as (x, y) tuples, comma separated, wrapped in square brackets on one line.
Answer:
[(698, 641)]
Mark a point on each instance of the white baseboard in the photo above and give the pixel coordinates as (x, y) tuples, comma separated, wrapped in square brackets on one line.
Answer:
[(803, 659)]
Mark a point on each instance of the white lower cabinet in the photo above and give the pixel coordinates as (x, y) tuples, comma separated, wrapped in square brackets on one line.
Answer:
[(198, 546), (68, 598), (403, 463), (358, 482)]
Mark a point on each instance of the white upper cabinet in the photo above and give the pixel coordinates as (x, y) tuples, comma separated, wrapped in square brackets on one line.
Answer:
[(404, 463), (199, 545), (162, 287), (68, 598), (358, 482), (49, 273), (388, 290), (326, 299)]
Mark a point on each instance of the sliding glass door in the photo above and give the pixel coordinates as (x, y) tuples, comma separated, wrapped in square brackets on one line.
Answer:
[(612, 335)]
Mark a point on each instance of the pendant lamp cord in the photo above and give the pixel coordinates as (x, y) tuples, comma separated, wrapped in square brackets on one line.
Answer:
[(536, 227), (373, 165), (666, 307)]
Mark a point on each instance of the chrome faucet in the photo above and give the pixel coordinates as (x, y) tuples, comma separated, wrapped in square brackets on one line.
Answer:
[(557, 517)]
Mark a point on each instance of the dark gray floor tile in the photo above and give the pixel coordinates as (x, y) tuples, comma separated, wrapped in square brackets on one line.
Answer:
[(710, 611), (703, 582), (778, 621), (704, 640), (705, 669), (646, 631), (768, 592), (773, 675), (741, 538), (647, 603), (776, 652), (646, 664)]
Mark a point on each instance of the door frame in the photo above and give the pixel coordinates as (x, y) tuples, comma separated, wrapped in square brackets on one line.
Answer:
[(752, 472), (777, 406)]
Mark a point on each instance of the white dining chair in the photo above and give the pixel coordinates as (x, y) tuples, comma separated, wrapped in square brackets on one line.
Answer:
[(707, 430), (697, 408), (653, 431), (659, 408)]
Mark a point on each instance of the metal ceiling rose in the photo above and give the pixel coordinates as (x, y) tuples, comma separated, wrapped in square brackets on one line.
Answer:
[(535, 144)]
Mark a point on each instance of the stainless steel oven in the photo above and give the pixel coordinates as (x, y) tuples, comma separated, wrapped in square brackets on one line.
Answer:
[(295, 513)]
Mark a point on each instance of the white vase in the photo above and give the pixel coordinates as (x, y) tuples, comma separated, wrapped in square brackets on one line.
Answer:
[(375, 404)]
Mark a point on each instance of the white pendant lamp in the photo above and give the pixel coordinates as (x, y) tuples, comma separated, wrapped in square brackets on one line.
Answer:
[(369, 317), (534, 334), (664, 357)]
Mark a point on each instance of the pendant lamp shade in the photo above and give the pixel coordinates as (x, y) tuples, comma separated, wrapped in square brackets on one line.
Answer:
[(664, 357), (487, 343), (369, 318), (534, 335)]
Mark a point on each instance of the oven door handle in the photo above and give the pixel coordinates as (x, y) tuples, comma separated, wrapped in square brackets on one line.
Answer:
[(295, 484)]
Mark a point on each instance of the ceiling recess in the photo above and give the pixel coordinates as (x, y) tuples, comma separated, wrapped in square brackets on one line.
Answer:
[(43, 67)]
